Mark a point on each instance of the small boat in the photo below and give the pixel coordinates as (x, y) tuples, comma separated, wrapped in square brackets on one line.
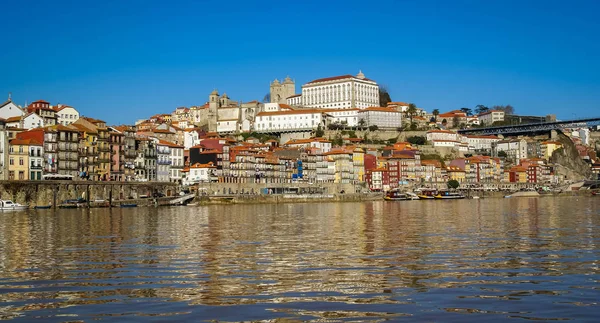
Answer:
[(129, 205), (427, 194), (42, 207), (67, 206), (396, 195), (595, 193), (449, 195), (8, 205)]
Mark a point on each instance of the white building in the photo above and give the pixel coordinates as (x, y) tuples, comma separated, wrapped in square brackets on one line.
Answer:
[(289, 120), (200, 173), (65, 114), (36, 160), (341, 92), (163, 160), (294, 100), (515, 149), (348, 117), (322, 144), (176, 159), (8, 109), (32, 120), (381, 117), (480, 143), (444, 138), (3, 151), (191, 137), (489, 117)]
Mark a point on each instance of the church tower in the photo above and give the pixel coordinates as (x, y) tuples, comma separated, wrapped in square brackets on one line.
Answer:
[(281, 91), (213, 106)]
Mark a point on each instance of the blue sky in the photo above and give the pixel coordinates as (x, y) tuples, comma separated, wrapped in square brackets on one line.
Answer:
[(124, 60)]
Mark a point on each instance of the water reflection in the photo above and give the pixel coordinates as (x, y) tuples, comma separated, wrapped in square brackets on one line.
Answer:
[(416, 260)]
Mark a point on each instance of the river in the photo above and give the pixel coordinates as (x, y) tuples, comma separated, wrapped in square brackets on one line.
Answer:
[(466, 260)]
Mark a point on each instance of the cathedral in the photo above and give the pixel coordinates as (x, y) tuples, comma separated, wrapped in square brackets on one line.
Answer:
[(280, 91)]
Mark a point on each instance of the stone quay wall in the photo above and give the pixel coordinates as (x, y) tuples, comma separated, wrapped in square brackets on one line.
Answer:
[(39, 193)]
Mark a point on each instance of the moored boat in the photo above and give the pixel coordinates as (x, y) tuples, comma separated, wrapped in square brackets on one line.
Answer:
[(449, 195), (397, 195), (8, 205), (39, 207), (427, 194), (129, 205)]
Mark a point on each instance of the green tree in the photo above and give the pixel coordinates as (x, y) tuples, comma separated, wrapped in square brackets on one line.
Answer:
[(454, 184), (444, 122), (384, 96), (502, 154), (319, 132), (436, 113), (413, 126), (467, 111), (480, 108), (352, 134), (417, 140), (373, 128), (411, 111), (392, 141)]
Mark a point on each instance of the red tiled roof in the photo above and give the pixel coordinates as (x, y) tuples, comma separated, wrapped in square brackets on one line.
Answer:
[(333, 78)]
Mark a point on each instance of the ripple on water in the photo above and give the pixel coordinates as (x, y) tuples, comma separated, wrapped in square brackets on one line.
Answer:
[(533, 259)]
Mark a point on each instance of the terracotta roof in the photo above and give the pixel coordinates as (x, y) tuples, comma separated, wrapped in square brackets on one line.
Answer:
[(304, 111), (83, 128), (27, 142), (334, 78), (381, 109), (294, 96), (198, 165), (14, 119), (441, 131), (168, 143)]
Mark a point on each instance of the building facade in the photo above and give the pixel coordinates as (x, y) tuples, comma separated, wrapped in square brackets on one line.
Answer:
[(341, 92)]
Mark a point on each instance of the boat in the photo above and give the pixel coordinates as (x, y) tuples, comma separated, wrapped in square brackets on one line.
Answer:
[(449, 195), (128, 205), (397, 195), (595, 193), (42, 207), (8, 205), (427, 194)]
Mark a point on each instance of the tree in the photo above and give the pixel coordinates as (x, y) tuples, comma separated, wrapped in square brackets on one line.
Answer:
[(444, 122), (267, 98), (411, 111), (508, 109), (362, 123), (319, 132), (480, 108), (455, 121), (454, 184), (502, 154), (436, 113), (392, 141), (467, 111), (414, 126), (417, 140), (373, 128), (384, 96)]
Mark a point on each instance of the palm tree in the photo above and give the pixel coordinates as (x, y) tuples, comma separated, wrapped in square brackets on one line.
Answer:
[(436, 113), (411, 111)]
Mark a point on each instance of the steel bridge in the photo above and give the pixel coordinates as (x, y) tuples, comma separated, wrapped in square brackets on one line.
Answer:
[(532, 127)]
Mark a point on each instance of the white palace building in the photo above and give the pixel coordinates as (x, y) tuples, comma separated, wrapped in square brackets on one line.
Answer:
[(338, 92)]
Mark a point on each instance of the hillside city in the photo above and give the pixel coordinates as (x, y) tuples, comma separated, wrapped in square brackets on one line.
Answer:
[(342, 129)]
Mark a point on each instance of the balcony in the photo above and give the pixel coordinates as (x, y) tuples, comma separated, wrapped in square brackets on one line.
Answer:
[(163, 162), (35, 167)]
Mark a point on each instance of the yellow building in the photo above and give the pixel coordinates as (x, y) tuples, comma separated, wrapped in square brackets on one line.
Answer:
[(358, 160), (18, 159), (456, 173), (548, 147)]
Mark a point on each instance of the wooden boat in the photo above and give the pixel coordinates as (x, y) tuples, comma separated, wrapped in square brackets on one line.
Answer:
[(595, 193), (67, 206), (449, 195), (42, 207), (397, 195), (128, 205), (8, 205), (427, 194)]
